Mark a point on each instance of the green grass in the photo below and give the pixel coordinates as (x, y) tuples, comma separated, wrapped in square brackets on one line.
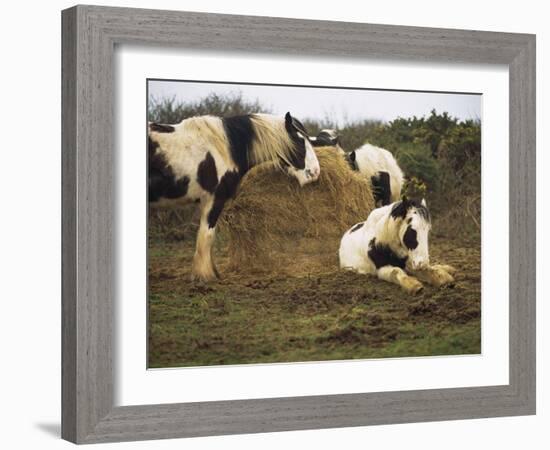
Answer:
[(334, 316)]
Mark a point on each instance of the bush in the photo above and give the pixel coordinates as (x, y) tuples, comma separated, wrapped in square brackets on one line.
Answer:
[(417, 162), (434, 129), (170, 110), (461, 147)]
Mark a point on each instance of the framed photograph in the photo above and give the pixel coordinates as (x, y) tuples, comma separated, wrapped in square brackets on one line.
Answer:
[(268, 230)]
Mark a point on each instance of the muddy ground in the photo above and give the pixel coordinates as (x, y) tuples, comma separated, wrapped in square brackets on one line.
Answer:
[(327, 314)]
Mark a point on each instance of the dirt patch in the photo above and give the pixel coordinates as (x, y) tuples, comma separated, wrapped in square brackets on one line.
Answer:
[(257, 316)]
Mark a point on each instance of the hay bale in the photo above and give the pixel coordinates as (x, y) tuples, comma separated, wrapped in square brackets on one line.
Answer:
[(276, 226)]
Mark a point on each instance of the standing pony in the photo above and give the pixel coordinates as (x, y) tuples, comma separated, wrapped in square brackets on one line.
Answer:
[(380, 167), (393, 245), (204, 158)]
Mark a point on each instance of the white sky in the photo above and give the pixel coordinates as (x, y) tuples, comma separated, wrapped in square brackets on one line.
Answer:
[(342, 105)]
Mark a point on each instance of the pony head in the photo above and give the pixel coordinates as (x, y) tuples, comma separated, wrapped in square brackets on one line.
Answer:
[(414, 224), (304, 165), (326, 137)]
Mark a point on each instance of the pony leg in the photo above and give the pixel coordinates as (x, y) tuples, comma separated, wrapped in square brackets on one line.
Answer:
[(382, 188), (445, 267), (398, 276), (436, 275), (358, 270), (203, 265)]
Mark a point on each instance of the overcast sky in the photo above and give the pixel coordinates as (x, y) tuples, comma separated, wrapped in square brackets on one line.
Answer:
[(341, 105)]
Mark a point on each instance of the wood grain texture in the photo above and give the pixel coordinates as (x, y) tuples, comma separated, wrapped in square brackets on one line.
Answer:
[(89, 36), (523, 224), (68, 226)]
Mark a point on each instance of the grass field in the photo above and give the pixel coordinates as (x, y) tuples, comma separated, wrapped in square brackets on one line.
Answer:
[(327, 315)]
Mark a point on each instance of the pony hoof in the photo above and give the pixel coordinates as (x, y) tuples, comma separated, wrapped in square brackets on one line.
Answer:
[(438, 276), (445, 279), (417, 289), (413, 287), (217, 274), (446, 268), (203, 277)]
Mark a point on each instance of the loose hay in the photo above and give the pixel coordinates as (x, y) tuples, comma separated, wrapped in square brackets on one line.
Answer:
[(276, 226)]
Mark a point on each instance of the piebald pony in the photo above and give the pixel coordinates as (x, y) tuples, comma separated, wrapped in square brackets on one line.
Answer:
[(376, 164), (392, 244), (204, 158), (380, 167)]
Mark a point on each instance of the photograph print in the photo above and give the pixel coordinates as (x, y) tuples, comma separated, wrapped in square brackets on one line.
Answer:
[(307, 223)]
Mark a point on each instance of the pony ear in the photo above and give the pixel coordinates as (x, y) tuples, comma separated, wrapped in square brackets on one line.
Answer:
[(288, 121), (423, 203), (399, 210), (352, 156), (404, 199)]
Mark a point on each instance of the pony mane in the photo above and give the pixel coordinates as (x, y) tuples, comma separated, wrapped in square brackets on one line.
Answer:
[(400, 209), (272, 141)]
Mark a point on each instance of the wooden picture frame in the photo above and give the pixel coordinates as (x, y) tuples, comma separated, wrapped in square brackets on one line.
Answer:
[(90, 34)]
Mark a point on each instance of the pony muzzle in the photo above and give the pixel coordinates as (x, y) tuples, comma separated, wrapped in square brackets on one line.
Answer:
[(309, 175), (304, 176), (313, 173)]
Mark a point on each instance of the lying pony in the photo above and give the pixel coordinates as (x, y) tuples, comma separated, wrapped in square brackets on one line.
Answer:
[(393, 245)]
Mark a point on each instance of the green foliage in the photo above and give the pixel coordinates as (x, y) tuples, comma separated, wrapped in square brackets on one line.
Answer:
[(434, 129), (441, 159), (415, 188), (417, 162), (169, 110), (461, 146)]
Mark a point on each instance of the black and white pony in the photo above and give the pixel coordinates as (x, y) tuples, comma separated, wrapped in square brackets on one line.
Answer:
[(380, 167), (376, 164), (392, 244), (326, 137), (204, 158)]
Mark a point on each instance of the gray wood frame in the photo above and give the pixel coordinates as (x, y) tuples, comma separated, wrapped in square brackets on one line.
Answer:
[(89, 36)]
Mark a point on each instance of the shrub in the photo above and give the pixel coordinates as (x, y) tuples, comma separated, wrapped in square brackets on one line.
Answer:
[(461, 147), (417, 162), (170, 110)]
